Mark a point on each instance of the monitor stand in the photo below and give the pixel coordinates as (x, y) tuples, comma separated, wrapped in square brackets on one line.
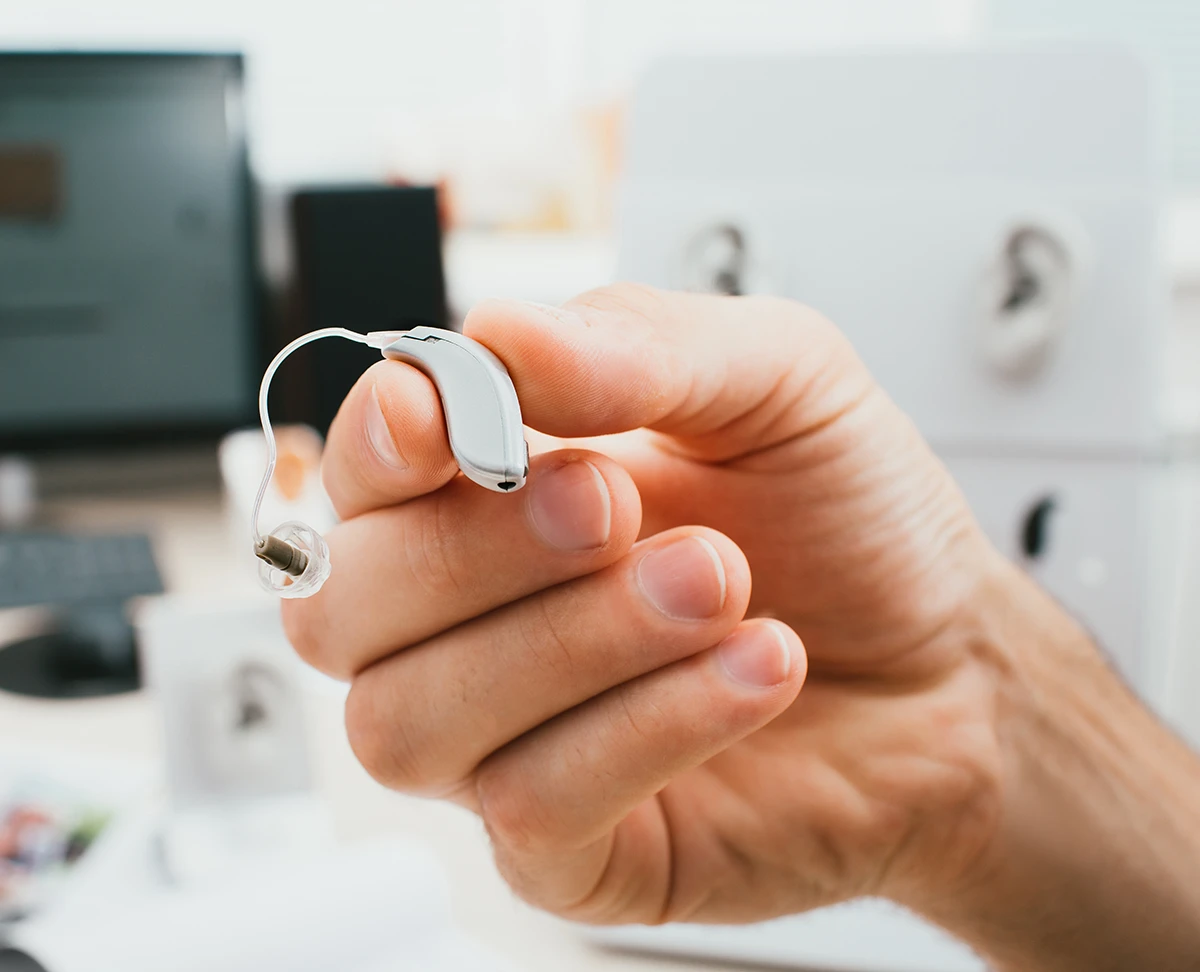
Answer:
[(90, 652)]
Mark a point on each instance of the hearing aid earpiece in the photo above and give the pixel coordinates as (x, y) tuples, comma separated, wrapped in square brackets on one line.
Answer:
[(483, 425), (293, 560)]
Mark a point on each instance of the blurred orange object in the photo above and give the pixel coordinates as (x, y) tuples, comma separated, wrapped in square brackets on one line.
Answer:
[(299, 457)]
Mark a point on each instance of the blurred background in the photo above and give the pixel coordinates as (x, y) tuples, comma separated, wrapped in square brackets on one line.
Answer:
[(998, 200)]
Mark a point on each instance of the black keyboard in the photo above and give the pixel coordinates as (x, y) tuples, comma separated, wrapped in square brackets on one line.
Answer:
[(53, 568)]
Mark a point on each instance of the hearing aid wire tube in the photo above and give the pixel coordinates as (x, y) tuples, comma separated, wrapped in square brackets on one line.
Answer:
[(373, 339), (483, 423)]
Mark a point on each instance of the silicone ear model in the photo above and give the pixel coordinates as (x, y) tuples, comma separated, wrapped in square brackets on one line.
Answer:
[(483, 424), (483, 416), (1028, 295)]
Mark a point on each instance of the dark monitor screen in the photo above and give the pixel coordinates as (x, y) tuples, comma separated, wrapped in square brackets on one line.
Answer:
[(126, 269)]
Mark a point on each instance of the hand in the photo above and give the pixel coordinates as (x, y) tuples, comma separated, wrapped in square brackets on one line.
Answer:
[(585, 663)]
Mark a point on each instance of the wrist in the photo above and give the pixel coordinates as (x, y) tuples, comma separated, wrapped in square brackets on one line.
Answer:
[(1094, 862)]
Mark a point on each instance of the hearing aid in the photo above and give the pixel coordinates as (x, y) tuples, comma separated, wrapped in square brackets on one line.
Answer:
[(483, 426)]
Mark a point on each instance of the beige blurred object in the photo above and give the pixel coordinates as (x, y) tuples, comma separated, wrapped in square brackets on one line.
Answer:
[(299, 458), (552, 170), (553, 215), (603, 125), (497, 168)]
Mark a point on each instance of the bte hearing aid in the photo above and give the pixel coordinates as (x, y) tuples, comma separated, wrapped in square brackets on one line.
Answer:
[(483, 425)]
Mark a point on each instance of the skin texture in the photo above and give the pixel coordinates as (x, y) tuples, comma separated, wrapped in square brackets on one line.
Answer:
[(738, 650)]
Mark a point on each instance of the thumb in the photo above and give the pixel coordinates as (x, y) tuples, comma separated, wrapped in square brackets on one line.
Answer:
[(725, 375)]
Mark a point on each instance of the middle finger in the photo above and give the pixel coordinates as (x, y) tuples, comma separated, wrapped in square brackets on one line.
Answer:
[(403, 574), (422, 720)]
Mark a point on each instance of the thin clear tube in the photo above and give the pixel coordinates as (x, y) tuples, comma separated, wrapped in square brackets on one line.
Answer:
[(264, 416), (294, 558)]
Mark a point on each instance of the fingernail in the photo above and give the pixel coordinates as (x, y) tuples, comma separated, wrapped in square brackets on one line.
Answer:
[(560, 314), (685, 580), (380, 436), (756, 656), (569, 506)]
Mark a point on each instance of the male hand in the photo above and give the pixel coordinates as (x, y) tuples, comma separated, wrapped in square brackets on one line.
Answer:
[(587, 664)]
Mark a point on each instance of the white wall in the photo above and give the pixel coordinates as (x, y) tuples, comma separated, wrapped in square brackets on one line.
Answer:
[(1167, 31), (339, 87)]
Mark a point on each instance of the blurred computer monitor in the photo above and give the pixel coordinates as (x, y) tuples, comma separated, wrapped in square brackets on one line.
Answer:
[(127, 311), (127, 308)]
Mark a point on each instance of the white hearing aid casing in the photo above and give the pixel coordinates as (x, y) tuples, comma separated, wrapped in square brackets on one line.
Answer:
[(483, 416), (483, 425)]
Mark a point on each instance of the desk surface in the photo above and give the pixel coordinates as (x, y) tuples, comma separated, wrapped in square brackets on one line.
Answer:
[(197, 548)]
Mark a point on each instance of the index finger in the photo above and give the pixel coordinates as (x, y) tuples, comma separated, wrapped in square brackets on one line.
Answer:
[(388, 442), (723, 376)]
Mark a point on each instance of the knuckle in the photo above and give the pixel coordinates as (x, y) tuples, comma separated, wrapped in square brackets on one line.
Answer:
[(304, 628), (626, 299), (826, 343), (363, 731), (381, 743), (545, 640), (512, 813), (434, 559), (641, 717)]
